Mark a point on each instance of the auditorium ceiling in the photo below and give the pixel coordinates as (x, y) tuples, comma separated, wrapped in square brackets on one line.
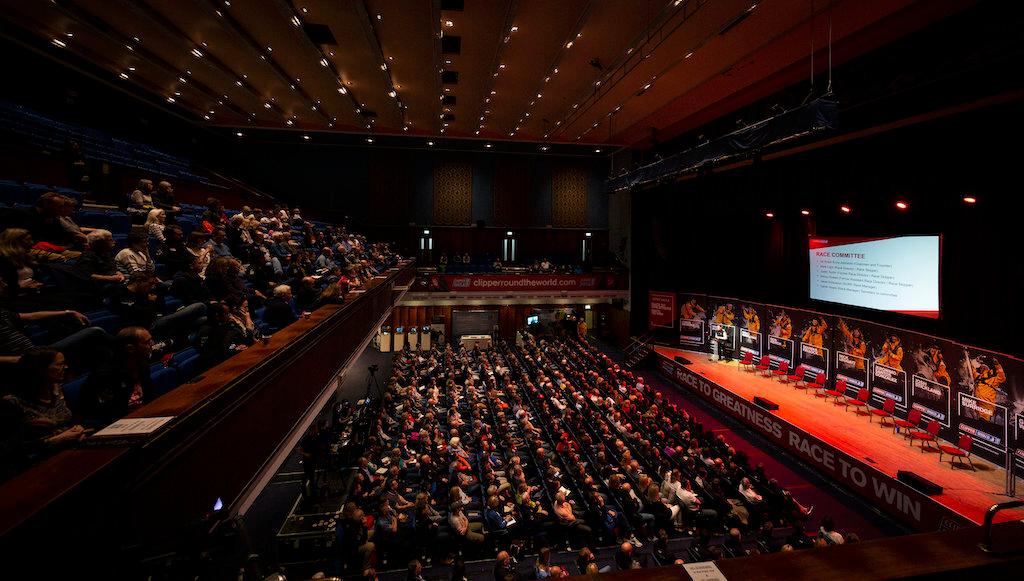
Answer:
[(545, 71)]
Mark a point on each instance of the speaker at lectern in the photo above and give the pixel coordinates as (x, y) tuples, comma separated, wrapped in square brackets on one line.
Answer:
[(412, 338), (384, 339), (398, 339), (425, 338)]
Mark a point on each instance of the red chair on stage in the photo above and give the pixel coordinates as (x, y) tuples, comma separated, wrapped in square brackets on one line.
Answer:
[(888, 409), (782, 371), (961, 450), (860, 402), (911, 423), (838, 392), (748, 360), (928, 435), (819, 382), (765, 365), (797, 377)]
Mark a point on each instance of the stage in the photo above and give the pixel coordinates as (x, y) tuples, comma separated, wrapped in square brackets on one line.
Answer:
[(845, 446)]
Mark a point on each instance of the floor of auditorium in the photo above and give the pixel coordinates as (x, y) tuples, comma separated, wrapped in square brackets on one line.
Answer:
[(267, 514), (968, 492)]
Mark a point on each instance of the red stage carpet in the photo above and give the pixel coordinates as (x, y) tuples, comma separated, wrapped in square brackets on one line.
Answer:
[(966, 493)]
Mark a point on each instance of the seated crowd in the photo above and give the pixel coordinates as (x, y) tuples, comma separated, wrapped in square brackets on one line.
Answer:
[(90, 328), (464, 263), (545, 445)]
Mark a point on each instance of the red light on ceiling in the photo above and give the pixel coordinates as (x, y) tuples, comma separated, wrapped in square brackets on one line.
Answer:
[(902, 205), (970, 200), (769, 215), (805, 212), (845, 209)]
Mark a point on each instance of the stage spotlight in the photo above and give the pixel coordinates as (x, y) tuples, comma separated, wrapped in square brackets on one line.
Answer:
[(970, 200), (901, 205), (845, 209), (805, 212), (769, 215)]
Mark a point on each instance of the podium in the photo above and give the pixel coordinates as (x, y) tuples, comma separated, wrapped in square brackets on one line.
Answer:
[(398, 339), (425, 338), (412, 338), (384, 339)]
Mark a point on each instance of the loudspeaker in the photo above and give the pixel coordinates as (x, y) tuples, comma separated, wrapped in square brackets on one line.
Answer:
[(765, 403), (918, 482), (682, 360)]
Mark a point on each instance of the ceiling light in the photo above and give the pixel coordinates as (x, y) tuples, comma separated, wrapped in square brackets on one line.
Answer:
[(239, 83), (447, 61), (59, 43), (494, 92), (555, 71), (132, 69), (270, 48), (477, 132), (324, 63), (342, 90), (688, 55), (501, 66), (430, 144), (901, 205), (211, 111), (305, 10), (296, 21), (207, 117), (383, 66), (197, 53), (488, 145), (306, 137), (380, 17), (170, 99), (597, 151), (844, 209), (805, 212), (177, 93), (970, 199), (568, 44), (544, 148), (449, 23), (539, 95), (238, 133), (769, 215), (289, 122), (369, 140), (182, 80), (130, 48), (123, 76), (392, 93)]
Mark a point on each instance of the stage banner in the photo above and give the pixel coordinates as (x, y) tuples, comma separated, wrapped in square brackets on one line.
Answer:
[(1018, 448), (523, 282), (850, 342), (990, 396), (813, 335), (662, 312), (725, 315), (781, 345), (888, 377), (929, 361), (693, 320), (750, 320)]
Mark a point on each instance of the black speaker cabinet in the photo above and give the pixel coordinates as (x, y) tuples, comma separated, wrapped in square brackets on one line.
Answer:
[(765, 403), (918, 483)]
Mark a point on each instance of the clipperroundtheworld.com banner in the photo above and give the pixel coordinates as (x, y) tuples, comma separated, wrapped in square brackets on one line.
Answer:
[(523, 282)]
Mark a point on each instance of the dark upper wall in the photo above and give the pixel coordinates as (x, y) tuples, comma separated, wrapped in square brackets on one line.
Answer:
[(388, 186)]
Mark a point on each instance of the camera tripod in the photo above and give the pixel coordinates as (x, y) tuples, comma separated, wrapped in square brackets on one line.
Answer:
[(373, 388)]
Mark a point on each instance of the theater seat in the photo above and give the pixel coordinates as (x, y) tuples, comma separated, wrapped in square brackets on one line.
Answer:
[(860, 402), (748, 360), (838, 392), (164, 380), (782, 372), (961, 450), (73, 392), (797, 377)]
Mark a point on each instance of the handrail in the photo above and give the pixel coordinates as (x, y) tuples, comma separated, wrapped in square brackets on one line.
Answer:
[(990, 514)]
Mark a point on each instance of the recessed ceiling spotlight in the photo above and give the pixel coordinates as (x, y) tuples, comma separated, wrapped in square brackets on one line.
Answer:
[(197, 53), (805, 212), (60, 43), (769, 215), (270, 48), (447, 61), (392, 93), (305, 10), (449, 23), (170, 99), (383, 66), (206, 117), (544, 148), (901, 205), (289, 122), (501, 66), (845, 209), (324, 63), (296, 21), (177, 93), (597, 151), (515, 29), (238, 134), (342, 90), (267, 105), (123, 76), (688, 55), (132, 69), (369, 140), (488, 145), (568, 44), (970, 200), (305, 137), (380, 16), (430, 144), (539, 95)]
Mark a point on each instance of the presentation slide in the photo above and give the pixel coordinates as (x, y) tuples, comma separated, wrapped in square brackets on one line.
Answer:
[(897, 274)]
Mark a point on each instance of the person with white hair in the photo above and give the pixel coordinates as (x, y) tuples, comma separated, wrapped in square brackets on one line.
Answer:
[(97, 262), (280, 311)]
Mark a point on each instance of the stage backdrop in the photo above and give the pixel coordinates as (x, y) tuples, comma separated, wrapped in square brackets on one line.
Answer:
[(662, 310), (724, 314), (965, 389), (693, 320)]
